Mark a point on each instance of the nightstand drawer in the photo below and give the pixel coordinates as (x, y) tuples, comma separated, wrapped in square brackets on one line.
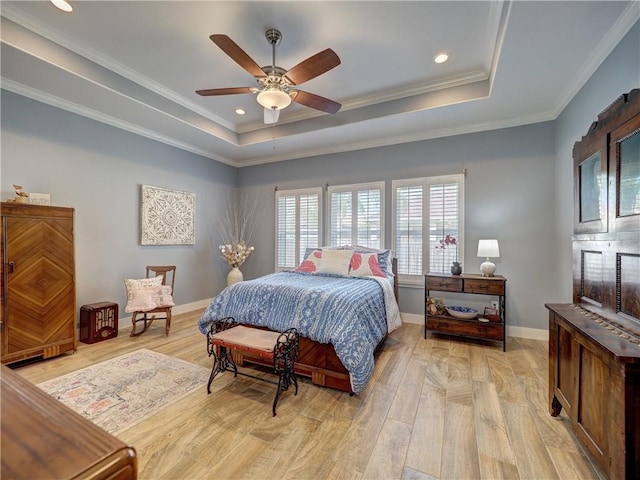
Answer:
[(444, 284), (491, 287)]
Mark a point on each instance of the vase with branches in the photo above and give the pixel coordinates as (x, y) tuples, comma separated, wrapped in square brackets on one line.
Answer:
[(236, 223)]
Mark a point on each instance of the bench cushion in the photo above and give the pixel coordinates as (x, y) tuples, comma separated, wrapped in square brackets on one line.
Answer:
[(242, 336)]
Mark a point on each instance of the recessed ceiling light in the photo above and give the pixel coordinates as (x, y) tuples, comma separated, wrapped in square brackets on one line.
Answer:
[(441, 57), (240, 111), (62, 5)]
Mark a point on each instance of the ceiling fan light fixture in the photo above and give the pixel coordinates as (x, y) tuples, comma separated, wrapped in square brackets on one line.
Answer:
[(274, 99), (62, 5)]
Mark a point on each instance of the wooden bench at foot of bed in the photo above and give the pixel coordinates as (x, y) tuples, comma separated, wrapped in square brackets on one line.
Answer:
[(315, 360)]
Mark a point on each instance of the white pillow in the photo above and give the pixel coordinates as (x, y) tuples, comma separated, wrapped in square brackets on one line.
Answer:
[(145, 294), (335, 262)]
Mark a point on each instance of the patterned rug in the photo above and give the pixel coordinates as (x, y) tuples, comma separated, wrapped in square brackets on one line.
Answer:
[(120, 392)]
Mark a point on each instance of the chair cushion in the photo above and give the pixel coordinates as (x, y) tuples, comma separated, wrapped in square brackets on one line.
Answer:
[(146, 294)]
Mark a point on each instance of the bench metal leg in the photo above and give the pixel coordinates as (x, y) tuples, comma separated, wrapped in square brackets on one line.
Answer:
[(221, 362), (285, 353)]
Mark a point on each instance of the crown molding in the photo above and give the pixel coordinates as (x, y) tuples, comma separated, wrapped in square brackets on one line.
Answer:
[(63, 104), (613, 37), (53, 35), (400, 139)]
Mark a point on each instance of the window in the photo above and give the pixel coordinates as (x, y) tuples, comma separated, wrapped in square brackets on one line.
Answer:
[(355, 215), (425, 211), (298, 225)]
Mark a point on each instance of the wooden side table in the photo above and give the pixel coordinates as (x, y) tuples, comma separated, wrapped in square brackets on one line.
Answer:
[(467, 283)]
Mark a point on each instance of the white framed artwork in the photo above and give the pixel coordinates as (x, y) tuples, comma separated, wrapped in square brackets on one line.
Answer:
[(167, 217), (40, 198)]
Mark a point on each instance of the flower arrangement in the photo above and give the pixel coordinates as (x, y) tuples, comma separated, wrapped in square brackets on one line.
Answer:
[(235, 255), (447, 241), (456, 268)]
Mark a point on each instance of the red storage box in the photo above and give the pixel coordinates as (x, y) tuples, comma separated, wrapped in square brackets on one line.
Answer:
[(98, 322)]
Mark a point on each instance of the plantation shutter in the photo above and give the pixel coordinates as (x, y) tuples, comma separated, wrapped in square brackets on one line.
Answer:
[(435, 203), (408, 232), (309, 223), (369, 218), (444, 219), (298, 225), (355, 215), (341, 218)]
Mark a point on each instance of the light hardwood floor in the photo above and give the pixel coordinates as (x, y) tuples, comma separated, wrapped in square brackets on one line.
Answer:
[(436, 408)]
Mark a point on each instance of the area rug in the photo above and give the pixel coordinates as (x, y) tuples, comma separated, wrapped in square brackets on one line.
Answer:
[(123, 391)]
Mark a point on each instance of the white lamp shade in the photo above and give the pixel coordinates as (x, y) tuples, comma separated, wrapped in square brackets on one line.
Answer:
[(488, 248), (274, 99)]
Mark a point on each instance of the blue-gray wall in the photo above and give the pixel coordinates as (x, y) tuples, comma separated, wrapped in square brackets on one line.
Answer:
[(508, 196), (98, 170), (618, 74)]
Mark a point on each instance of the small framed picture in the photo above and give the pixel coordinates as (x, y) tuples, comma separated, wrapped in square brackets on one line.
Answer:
[(40, 198), (491, 314)]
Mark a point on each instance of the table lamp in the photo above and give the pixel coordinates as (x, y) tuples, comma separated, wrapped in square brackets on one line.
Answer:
[(488, 248)]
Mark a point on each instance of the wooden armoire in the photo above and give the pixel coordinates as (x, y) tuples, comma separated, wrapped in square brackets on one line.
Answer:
[(594, 343), (38, 312)]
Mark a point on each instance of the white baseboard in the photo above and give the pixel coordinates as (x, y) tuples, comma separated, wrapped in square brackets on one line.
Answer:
[(526, 332), (412, 318), (125, 323), (512, 331)]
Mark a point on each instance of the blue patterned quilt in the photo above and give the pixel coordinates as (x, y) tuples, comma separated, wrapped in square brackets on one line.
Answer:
[(348, 312)]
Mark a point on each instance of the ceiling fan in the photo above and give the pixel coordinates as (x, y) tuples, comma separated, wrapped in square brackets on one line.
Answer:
[(275, 90)]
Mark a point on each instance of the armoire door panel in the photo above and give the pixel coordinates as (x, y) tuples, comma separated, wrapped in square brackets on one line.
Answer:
[(38, 278)]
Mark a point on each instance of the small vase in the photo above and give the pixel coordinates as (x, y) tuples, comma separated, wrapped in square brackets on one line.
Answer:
[(456, 268), (234, 276)]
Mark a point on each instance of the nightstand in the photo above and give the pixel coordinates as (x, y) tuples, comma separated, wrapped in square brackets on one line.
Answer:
[(467, 283)]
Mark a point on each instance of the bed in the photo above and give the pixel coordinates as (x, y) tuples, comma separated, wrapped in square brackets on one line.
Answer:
[(342, 319)]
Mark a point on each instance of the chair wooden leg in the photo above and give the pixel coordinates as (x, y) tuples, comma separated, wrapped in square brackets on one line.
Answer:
[(133, 322), (147, 323), (168, 325)]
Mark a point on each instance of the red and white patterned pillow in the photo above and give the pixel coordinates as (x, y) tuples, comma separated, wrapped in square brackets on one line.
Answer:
[(311, 262), (365, 265)]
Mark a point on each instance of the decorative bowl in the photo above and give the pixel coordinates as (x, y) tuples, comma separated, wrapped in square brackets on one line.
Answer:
[(463, 312)]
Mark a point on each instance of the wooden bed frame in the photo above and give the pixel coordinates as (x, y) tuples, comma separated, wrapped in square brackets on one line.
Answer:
[(318, 361)]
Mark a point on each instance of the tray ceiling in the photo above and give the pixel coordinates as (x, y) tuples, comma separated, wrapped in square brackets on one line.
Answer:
[(137, 65)]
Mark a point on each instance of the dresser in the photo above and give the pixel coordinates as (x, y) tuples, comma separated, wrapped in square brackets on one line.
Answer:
[(43, 439), (594, 342), (38, 311)]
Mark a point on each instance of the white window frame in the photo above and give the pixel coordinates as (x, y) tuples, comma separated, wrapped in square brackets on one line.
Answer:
[(425, 183), (297, 193), (354, 189)]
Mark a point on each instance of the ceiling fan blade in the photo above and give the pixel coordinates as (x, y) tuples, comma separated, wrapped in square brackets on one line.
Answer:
[(224, 91), (315, 101), (271, 116), (238, 55), (313, 66)]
